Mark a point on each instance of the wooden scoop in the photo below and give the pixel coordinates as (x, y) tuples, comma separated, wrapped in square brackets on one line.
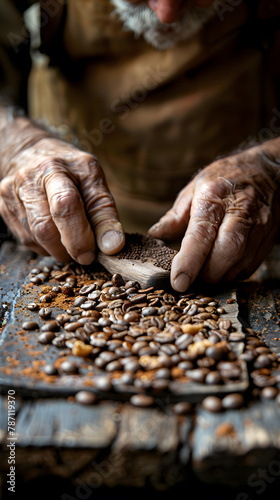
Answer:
[(146, 268)]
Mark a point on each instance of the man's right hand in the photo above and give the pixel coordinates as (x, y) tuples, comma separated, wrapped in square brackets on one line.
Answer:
[(55, 200)]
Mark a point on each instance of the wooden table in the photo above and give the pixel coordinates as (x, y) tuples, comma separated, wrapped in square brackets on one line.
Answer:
[(76, 451)]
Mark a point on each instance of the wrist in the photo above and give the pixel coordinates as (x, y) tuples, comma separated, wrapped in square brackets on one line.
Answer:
[(17, 133)]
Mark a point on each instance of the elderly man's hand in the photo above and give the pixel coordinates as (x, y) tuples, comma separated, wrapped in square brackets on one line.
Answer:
[(229, 217), (55, 200)]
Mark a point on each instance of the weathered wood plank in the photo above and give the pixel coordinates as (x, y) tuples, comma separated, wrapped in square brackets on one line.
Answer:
[(232, 445), (148, 447), (60, 423)]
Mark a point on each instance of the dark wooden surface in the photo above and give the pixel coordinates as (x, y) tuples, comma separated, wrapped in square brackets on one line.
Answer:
[(65, 450)]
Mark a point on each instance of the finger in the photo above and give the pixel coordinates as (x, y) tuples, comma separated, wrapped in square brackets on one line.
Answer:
[(229, 246), (207, 211), (13, 213), (67, 212), (101, 209), (173, 224), (260, 242)]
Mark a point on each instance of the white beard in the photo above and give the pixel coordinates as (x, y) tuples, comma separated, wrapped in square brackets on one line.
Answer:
[(142, 20)]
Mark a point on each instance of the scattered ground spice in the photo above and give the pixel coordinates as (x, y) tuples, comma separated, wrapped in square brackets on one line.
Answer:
[(225, 429), (146, 248)]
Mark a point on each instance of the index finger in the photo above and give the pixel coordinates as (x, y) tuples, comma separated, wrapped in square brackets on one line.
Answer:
[(207, 212)]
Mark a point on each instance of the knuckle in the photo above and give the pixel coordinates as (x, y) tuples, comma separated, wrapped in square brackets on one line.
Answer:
[(64, 204), (43, 229), (203, 230)]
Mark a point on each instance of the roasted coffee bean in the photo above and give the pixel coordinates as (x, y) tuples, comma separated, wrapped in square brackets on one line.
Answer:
[(30, 325), (213, 378), (62, 318), (86, 289), (182, 408), (169, 349), (142, 400), (149, 311), (47, 297), (79, 301), (262, 361), (269, 392), (45, 312), (103, 383), (183, 341), (206, 362), (114, 366), (164, 373), (118, 280), (46, 337), (249, 355), (216, 352), (51, 326), (32, 306), (236, 337), (197, 374), (212, 404), (59, 341), (36, 280), (50, 370), (69, 366), (86, 398), (233, 401)]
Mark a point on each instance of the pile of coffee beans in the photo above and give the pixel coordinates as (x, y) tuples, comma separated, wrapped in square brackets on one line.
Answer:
[(146, 342)]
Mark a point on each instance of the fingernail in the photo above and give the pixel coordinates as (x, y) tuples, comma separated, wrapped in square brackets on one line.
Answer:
[(86, 258), (155, 227), (112, 239), (182, 282)]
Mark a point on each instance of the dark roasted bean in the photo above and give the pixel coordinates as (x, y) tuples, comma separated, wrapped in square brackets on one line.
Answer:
[(142, 400), (51, 326), (69, 367), (86, 398), (233, 401), (29, 325), (212, 403), (50, 370), (182, 408), (46, 337), (45, 312), (32, 306)]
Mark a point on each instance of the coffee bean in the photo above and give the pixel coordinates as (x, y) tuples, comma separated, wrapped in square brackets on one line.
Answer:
[(197, 374), (212, 404), (182, 408), (45, 312), (50, 369), (30, 325), (59, 341), (69, 367), (86, 398), (49, 326), (262, 361), (32, 306), (213, 378), (103, 383), (142, 400), (233, 401), (215, 352), (46, 337), (114, 366), (269, 392)]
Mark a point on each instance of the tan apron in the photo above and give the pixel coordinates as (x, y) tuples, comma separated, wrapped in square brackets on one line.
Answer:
[(152, 118)]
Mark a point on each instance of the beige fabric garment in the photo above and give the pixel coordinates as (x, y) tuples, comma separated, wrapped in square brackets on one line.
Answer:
[(152, 118)]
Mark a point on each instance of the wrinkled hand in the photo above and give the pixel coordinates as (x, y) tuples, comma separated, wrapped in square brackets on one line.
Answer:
[(55, 200), (230, 214)]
